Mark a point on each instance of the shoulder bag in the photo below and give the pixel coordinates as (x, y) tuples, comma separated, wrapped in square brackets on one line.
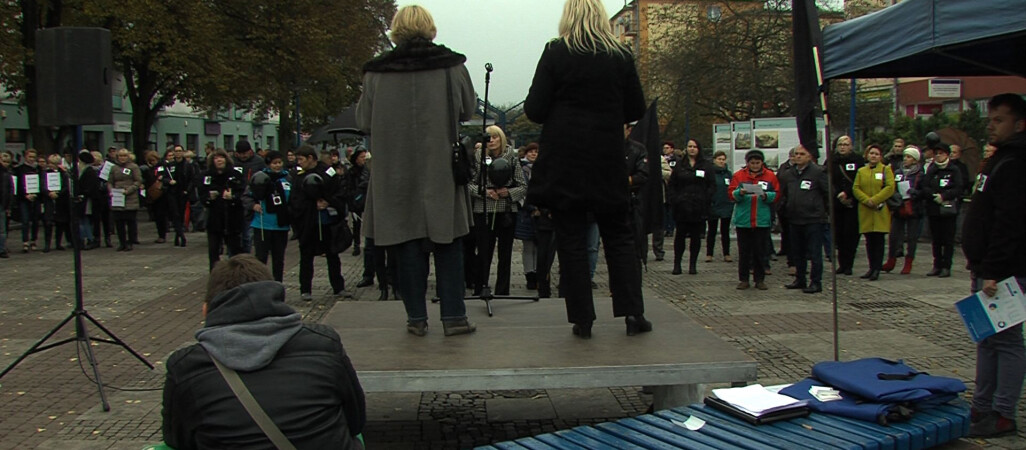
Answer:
[(461, 170), (253, 408)]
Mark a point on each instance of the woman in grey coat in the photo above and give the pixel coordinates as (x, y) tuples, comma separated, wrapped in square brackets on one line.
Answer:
[(123, 185), (413, 98)]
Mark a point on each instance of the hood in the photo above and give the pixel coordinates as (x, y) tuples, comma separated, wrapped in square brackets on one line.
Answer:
[(246, 326)]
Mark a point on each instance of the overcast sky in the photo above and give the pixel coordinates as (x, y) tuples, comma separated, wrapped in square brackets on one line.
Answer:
[(510, 34)]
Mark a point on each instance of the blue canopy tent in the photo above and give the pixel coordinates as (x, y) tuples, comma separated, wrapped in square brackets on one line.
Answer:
[(929, 38)]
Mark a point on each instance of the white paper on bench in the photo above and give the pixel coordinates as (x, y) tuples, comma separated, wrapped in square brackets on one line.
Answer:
[(756, 399)]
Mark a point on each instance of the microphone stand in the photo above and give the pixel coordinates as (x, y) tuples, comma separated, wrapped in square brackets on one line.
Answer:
[(482, 232)]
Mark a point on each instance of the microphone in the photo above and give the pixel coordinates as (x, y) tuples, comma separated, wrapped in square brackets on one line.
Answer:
[(488, 67)]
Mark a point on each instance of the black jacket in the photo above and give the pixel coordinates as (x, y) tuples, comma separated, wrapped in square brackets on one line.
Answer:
[(845, 167), (804, 195), (963, 172), (691, 190), (582, 102), (356, 181), (6, 191), (20, 172), (298, 373), (303, 204), (993, 235), (223, 216), (637, 165), (945, 181), (55, 209), (184, 174)]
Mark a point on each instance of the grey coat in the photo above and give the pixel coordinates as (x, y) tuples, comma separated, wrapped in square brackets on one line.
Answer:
[(411, 193), (130, 182)]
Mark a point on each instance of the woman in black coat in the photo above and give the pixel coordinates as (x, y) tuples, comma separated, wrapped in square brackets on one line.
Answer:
[(941, 192), (691, 189), (221, 188), (585, 89), (845, 163)]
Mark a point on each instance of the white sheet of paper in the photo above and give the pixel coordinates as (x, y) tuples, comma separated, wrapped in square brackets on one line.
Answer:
[(105, 170), (117, 198), (903, 188), (693, 423), (752, 188), (31, 184), (14, 184), (754, 399), (53, 181)]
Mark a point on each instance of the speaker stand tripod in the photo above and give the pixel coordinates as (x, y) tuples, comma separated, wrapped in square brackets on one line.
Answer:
[(79, 314)]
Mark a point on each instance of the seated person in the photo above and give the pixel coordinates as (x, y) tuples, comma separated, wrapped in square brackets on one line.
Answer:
[(298, 372)]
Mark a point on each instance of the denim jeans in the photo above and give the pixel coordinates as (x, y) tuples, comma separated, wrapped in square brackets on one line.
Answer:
[(1000, 367), (412, 264)]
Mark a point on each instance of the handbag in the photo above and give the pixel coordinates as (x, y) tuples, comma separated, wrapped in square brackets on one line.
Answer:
[(341, 236), (907, 210), (461, 169), (154, 191), (949, 208), (253, 408)]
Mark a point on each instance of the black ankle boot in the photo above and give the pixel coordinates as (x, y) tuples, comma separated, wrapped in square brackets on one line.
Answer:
[(693, 268), (676, 267), (532, 280), (637, 324), (384, 293), (582, 330)]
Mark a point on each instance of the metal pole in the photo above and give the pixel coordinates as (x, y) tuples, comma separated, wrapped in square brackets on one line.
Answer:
[(851, 112)]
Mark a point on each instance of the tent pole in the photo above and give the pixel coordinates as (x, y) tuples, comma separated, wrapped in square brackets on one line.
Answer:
[(851, 111)]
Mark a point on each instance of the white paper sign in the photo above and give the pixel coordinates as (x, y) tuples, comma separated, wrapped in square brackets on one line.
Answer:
[(117, 198), (700, 173), (14, 184), (105, 170), (752, 188), (53, 181), (31, 184), (903, 188)]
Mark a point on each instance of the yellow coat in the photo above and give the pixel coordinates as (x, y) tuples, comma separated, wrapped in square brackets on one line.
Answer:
[(876, 184)]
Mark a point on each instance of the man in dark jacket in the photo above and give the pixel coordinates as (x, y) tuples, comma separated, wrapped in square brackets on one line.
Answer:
[(994, 242), (805, 202), (248, 163), (317, 205), (298, 373), (6, 199), (180, 175), (636, 158)]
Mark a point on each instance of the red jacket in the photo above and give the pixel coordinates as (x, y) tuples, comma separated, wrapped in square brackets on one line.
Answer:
[(751, 211)]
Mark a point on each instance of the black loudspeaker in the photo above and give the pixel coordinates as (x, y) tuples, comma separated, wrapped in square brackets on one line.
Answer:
[(73, 76)]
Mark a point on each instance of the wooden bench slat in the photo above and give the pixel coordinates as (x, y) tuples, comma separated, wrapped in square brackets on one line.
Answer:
[(738, 428), (649, 442), (734, 440)]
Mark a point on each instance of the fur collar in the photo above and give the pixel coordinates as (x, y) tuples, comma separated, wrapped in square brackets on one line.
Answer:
[(415, 55)]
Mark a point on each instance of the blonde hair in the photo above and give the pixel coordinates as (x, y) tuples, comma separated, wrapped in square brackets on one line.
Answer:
[(494, 130), (585, 28), (410, 22)]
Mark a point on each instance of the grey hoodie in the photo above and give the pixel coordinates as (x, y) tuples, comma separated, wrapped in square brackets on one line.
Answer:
[(247, 325)]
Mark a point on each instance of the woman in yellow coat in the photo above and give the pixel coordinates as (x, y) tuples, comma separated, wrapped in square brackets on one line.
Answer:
[(874, 184)]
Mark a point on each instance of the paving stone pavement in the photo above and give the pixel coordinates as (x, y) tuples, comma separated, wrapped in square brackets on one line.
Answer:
[(150, 298)]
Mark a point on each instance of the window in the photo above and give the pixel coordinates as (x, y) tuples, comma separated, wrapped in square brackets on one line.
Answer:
[(229, 142), (172, 139), (122, 140), (17, 141), (270, 142), (192, 142), (93, 140)]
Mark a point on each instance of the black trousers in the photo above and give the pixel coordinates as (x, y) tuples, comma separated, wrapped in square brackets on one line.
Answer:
[(496, 229), (176, 212), (942, 234), (692, 231), (307, 252), (127, 226), (380, 261), (216, 239), (751, 249), (875, 249), (785, 239), (161, 215), (571, 229), (102, 217), (273, 243), (710, 237), (806, 245), (846, 235)]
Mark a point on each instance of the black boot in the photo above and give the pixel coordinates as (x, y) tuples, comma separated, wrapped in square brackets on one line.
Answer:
[(532, 280), (693, 267), (874, 275), (676, 266), (637, 324), (544, 287), (384, 292), (368, 281), (582, 330)]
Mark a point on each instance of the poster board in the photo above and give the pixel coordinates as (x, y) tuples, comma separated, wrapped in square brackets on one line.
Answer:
[(986, 316), (721, 138), (741, 143)]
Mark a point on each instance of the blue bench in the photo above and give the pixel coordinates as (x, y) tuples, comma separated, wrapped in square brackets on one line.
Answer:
[(818, 431)]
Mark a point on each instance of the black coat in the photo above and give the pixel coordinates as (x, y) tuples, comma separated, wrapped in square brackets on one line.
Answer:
[(945, 181), (844, 168), (804, 197), (582, 102), (993, 236), (223, 216), (55, 210), (691, 190), (303, 205), (6, 190)]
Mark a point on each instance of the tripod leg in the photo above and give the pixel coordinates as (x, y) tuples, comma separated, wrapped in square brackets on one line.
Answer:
[(35, 347), (488, 305), (83, 340), (118, 340)]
